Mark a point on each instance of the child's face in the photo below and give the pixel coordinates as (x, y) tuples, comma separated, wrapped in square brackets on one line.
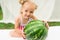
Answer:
[(27, 10)]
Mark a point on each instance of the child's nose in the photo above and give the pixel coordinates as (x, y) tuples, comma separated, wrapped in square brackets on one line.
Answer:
[(28, 14)]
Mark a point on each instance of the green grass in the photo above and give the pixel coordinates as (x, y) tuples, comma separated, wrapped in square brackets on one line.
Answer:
[(11, 26), (6, 26), (54, 23), (1, 14)]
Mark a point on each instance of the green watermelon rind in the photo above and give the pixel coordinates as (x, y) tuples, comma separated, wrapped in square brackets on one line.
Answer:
[(32, 27), (36, 33)]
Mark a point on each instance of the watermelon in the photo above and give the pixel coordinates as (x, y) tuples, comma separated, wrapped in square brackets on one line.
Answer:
[(36, 30)]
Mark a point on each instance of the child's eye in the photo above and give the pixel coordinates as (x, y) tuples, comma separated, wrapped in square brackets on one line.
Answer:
[(26, 10), (31, 11)]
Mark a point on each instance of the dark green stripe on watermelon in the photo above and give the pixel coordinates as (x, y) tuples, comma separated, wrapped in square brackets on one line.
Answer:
[(36, 30)]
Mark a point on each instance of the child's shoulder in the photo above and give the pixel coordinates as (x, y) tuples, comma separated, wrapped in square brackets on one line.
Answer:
[(18, 18)]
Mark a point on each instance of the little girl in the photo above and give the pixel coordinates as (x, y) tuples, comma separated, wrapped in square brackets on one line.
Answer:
[(26, 15)]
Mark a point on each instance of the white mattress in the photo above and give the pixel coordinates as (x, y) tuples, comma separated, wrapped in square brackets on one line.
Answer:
[(53, 34)]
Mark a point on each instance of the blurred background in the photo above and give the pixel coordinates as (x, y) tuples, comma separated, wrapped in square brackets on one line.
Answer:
[(47, 10)]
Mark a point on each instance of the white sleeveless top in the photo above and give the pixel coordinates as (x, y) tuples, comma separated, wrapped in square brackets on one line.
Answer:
[(26, 23)]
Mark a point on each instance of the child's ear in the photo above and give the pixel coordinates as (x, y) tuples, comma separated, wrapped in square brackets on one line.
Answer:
[(21, 12)]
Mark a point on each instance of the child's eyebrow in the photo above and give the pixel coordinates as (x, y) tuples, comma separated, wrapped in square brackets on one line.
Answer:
[(31, 11)]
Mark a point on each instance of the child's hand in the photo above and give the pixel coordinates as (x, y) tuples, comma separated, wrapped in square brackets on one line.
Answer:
[(46, 24), (23, 35)]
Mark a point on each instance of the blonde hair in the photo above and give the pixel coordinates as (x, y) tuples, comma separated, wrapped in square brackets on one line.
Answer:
[(24, 1)]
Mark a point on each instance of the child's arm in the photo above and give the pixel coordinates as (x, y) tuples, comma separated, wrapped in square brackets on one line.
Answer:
[(33, 17), (17, 24), (46, 24)]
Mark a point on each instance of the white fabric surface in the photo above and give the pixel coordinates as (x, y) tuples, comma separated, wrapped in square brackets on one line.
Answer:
[(53, 34), (11, 9)]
